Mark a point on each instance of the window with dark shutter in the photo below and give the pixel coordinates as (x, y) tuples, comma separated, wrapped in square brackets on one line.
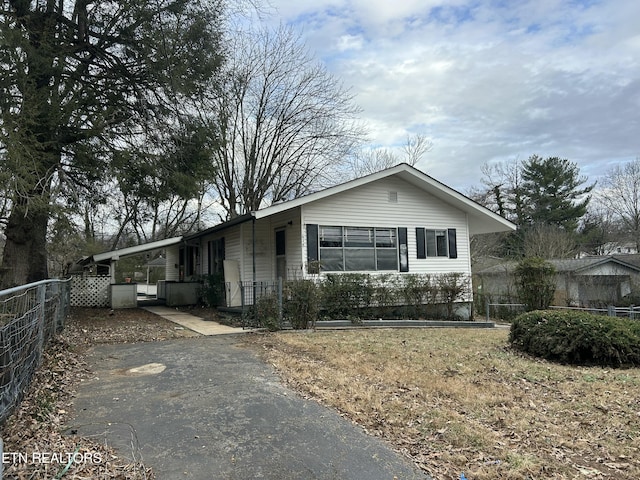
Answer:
[(352, 249), (436, 243)]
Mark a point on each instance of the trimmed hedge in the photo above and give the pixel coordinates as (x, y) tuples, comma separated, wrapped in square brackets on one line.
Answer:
[(578, 338)]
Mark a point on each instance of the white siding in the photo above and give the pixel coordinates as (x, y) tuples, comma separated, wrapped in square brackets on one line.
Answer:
[(262, 251), (231, 246), (172, 272), (370, 206), (239, 246), (289, 221)]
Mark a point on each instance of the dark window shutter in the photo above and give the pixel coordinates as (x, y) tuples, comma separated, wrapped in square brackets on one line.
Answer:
[(453, 245), (420, 241), (403, 249), (281, 237), (312, 244)]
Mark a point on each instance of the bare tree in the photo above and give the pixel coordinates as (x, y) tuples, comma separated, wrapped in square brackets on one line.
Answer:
[(366, 162), (549, 241), (599, 229), (620, 193), (503, 192), (282, 123), (415, 148)]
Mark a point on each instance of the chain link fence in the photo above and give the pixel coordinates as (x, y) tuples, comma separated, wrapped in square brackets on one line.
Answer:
[(29, 317)]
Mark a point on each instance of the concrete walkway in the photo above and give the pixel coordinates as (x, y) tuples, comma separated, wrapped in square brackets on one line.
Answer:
[(197, 324)]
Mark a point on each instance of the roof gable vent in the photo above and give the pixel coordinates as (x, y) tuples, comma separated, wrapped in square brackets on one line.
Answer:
[(393, 197)]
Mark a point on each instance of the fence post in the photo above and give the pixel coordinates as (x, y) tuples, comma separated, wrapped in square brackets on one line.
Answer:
[(488, 308), (1, 457), (611, 310), (42, 318)]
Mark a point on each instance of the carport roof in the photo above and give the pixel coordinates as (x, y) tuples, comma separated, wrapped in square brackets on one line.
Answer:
[(128, 251)]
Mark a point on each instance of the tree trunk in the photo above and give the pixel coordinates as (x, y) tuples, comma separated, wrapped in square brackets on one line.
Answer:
[(25, 256)]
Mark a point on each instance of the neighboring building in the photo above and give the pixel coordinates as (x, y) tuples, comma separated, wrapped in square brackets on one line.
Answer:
[(584, 282), (619, 248)]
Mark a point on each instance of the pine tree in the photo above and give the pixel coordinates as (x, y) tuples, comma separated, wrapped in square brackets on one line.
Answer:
[(554, 193)]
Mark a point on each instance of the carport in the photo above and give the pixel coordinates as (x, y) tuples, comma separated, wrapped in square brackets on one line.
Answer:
[(95, 284)]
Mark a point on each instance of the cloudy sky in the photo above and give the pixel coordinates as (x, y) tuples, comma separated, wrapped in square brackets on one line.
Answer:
[(486, 81)]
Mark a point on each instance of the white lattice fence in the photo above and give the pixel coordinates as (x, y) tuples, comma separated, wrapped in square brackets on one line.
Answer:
[(90, 291)]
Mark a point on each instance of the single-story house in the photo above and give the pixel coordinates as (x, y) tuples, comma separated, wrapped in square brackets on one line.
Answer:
[(582, 282), (396, 220)]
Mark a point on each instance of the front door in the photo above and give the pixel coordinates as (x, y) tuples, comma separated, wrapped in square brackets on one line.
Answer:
[(281, 254)]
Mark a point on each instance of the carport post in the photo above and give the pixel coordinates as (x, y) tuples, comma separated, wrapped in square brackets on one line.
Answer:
[(253, 255)]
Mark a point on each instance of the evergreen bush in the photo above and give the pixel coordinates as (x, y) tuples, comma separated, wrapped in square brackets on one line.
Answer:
[(578, 338), (536, 283)]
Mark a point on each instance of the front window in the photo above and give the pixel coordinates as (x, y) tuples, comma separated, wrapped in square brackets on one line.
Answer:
[(357, 248), (436, 243)]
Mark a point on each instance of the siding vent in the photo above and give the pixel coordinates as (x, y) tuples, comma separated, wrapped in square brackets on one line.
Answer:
[(393, 197)]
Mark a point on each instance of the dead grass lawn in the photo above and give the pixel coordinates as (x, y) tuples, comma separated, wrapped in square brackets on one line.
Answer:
[(459, 400)]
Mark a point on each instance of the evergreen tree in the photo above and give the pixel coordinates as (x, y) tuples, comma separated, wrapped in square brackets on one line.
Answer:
[(554, 192)]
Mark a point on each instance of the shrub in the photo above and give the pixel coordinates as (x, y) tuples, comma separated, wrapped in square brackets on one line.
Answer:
[(536, 283), (452, 288), (302, 303), (414, 291), (268, 312), (578, 338), (212, 290), (385, 296), (344, 294)]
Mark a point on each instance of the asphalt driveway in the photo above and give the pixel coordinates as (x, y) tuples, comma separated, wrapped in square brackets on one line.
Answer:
[(207, 408)]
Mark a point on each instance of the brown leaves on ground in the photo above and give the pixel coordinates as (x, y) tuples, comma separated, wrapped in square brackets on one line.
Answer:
[(37, 442), (460, 401), (91, 326)]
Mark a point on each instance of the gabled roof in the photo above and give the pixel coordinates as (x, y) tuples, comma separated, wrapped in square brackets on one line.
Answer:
[(567, 265), (481, 219)]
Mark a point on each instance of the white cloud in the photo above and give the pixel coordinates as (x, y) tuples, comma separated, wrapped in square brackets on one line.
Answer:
[(487, 80)]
